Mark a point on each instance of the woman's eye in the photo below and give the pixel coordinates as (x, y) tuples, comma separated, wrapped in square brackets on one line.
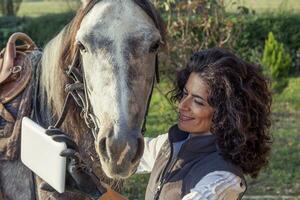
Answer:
[(199, 103), (81, 47)]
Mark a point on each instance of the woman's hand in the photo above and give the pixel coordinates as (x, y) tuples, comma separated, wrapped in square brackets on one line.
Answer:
[(79, 177)]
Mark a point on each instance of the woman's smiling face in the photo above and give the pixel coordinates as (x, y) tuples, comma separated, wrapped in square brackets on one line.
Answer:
[(195, 114)]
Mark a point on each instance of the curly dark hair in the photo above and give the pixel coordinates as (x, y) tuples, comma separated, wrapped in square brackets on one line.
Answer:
[(241, 97)]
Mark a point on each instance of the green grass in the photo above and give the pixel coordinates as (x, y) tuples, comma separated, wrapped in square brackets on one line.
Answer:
[(281, 177), (38, 8), (261, 6), (289, 99)]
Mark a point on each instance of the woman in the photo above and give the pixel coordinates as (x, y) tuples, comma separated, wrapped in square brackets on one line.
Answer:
[(222, 132)]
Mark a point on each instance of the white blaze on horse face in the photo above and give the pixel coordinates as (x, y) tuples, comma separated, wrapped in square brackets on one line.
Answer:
[(119, 70)]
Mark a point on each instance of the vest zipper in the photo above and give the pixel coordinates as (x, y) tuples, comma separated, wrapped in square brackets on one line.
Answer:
[(164, 179)]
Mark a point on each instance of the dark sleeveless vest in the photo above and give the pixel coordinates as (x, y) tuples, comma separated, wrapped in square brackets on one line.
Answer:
[(198, 156)]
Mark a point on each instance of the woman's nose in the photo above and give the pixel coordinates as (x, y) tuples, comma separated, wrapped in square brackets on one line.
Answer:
[(184, 104)]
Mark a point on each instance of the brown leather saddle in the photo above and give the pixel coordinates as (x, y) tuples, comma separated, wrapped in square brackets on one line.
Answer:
[(15, 70), (17, 64)]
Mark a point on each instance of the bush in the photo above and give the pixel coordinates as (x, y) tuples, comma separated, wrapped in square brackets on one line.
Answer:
[(44, 28), (190, 28), (9, 25), (40, 29), (195, 25), (255, 29), (276, 62)]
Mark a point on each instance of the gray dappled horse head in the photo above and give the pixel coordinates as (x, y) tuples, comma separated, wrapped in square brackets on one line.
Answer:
[(118, 42)]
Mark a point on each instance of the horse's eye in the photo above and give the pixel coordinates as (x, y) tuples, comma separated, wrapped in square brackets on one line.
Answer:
[(154, 47), (81, 47)]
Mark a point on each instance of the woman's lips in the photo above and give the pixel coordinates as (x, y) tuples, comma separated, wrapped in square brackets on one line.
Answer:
[(185, 118)]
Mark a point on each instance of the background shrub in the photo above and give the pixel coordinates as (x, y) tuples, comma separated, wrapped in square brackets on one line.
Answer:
[(9, 25), (40, 29), (276, 62), (255, 29)]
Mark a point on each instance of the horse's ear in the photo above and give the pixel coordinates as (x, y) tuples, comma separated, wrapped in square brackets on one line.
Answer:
[(85, 2)]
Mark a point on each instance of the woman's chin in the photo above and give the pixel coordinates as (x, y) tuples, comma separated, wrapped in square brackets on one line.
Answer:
[(183, 127)]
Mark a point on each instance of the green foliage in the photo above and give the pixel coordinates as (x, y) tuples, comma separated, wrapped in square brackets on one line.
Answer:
[(9, 7), (194, 25), (41, 29), (41, 8), (255, 29), (265, 6), (289, 98), (276, 62), (9, 25), (44, 28)]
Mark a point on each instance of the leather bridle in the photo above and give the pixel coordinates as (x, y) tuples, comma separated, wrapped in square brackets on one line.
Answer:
[(77, 89)]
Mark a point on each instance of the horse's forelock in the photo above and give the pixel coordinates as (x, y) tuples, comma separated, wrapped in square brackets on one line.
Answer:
[(69, 49)]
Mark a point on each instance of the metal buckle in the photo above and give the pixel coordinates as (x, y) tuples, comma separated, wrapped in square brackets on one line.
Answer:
[(16, 69)]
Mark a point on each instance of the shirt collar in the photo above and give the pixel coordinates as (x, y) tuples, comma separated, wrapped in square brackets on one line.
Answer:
[(197, 144)]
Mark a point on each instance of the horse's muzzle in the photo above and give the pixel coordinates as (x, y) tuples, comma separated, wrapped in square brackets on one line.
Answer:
[(120, 156)]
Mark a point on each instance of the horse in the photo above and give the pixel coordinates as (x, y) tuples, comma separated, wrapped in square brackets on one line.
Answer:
[(115, 44)]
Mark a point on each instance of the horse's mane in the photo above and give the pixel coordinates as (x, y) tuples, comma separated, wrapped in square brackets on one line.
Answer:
[(58, 55)]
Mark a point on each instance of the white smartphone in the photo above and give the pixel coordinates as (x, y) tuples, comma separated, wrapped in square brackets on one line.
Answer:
[(40, 153)]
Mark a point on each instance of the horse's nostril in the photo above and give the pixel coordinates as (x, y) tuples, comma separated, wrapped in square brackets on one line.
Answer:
[(140, 150), (102, 148)]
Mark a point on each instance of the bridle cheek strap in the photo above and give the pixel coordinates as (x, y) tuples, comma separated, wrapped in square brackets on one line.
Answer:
[(78, 90), (156, 77)]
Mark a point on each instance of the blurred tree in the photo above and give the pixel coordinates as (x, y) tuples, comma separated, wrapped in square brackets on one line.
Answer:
[(196, 24), (276, 62), (9, 7)]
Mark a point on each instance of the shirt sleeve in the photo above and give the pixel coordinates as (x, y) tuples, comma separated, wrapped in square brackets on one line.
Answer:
[(218, 185), (152, 147)]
